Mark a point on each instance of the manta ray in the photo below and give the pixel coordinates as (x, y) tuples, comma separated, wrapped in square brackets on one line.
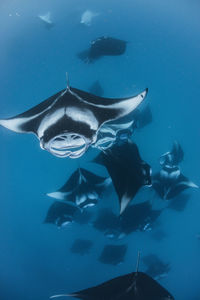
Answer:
[(83, 188), (87, 16), (170, 182), (68, 122), (113, 254), (103, 46), (127, 170), (108, 223), (46, 19), (81, 246), (61, 214), (138, 217), (132, 286)]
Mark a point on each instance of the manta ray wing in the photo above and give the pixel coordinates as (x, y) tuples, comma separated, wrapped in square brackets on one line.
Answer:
[(182, 183), (60, 212), (110, 109), (148, 288), (29, 120), (138, 286)]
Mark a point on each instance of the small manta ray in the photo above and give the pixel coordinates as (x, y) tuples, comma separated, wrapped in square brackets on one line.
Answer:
[(173, 158), (96, 89), (83, 188), (155, 267), (103, 46), (133, 286), (61, 214), (170, 182), (68, 122), (81, 247), (87, 17), (126, 169), (108, 223), (138, 217), (46, 19), (113, 254)]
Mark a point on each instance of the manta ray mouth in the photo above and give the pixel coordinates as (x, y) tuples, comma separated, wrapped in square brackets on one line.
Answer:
[(67, 145)]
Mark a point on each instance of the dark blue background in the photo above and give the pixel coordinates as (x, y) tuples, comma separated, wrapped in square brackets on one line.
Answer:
[(163, 55)]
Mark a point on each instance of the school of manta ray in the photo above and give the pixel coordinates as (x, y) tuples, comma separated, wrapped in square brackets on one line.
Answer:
[(70, 123)]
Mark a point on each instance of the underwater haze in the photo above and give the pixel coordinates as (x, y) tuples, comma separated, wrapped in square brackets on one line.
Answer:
[(163, 55)]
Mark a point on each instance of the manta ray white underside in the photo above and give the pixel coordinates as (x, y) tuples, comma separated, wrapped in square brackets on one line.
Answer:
[(68, 122)]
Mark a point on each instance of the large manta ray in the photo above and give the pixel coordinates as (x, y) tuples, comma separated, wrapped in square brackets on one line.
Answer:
[(132, 286), (68, 122), (83, 188), (127, 170)]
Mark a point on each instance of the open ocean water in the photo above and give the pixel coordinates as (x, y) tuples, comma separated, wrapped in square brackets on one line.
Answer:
[(163, 54)]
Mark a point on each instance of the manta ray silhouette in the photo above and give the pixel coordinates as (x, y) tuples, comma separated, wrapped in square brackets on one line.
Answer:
[(139, 217), (81, 246), (113, 254), (67, 123), (83, 188), (103, 46), (132, 286), (60, 214), (170, 182), (127, 170)]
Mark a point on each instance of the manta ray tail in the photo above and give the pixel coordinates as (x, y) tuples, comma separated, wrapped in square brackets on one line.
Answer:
[(61, 295), (67, 80), (138, 262)]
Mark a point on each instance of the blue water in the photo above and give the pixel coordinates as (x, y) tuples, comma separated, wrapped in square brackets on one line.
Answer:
[(163, 55)]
